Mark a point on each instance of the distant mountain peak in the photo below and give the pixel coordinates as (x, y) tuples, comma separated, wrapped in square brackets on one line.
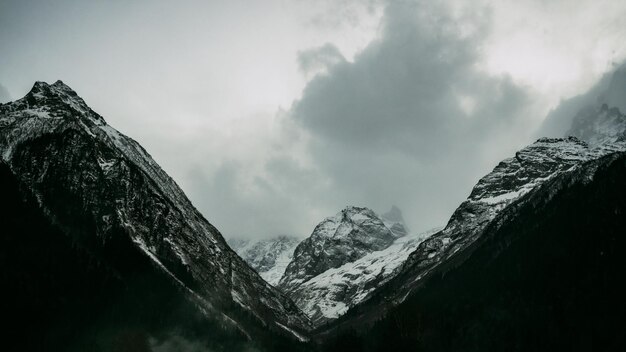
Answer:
[(599, 125), (610, 90), (269, 257), (343, 247), (344, 237), (394, 214), (394, 220)]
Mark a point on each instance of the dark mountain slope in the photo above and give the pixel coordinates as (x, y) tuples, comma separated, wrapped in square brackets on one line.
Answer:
[(101, 210), (60, 293), (548, 277)]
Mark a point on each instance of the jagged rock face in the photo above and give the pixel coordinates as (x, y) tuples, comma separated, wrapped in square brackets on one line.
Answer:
[(329, 295), (511, 181), (599, 125), (345, 258), (535, 171), (545, 276), (269, 257), (337, 240), (82, 171)]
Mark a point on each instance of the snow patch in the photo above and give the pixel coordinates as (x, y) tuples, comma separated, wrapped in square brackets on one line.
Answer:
[(293, 332)]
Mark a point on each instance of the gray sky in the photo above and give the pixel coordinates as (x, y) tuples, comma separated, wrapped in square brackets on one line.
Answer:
[(274, 114)]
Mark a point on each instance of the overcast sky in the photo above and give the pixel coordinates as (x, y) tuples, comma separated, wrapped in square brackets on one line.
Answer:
[(274, 114)]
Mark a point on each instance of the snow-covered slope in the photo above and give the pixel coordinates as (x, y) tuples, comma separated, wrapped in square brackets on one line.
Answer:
[(346, 257), (535, 174), (536, 168), (511, 181), (337, 240), (58, 147), (330, 294), (269, 257)]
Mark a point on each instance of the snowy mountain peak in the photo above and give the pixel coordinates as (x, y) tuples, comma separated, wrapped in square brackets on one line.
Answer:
[(61, 149), (345, 237), (57, 100), (329, 295), (345, 222), (581, 111), (344, 259), (269, 257), (394, 214)]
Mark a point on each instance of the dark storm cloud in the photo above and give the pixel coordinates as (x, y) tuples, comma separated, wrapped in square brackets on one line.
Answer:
[(413, 120)]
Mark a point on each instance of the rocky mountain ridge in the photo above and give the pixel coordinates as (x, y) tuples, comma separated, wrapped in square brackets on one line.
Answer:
[(269, 257), (535, 172), (113, 208), (329, 295), (512, 181), (343, 238), (344, 259), (546, 268), (58, 148)]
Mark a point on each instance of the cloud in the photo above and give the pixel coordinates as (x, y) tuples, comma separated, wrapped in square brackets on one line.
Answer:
[(561, 47), (610, 90), (269, 190), (413, 120), (398, 102), (318, 60)]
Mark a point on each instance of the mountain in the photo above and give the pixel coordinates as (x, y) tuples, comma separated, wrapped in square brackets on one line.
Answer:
[(497, 194), (269, 257), (512, 181), (337, 240), (609, 90), (394, 221), (514, 265), (346, 257), (106, 247), (599, 125), (329, 295), (615, 93), (530, 261)]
